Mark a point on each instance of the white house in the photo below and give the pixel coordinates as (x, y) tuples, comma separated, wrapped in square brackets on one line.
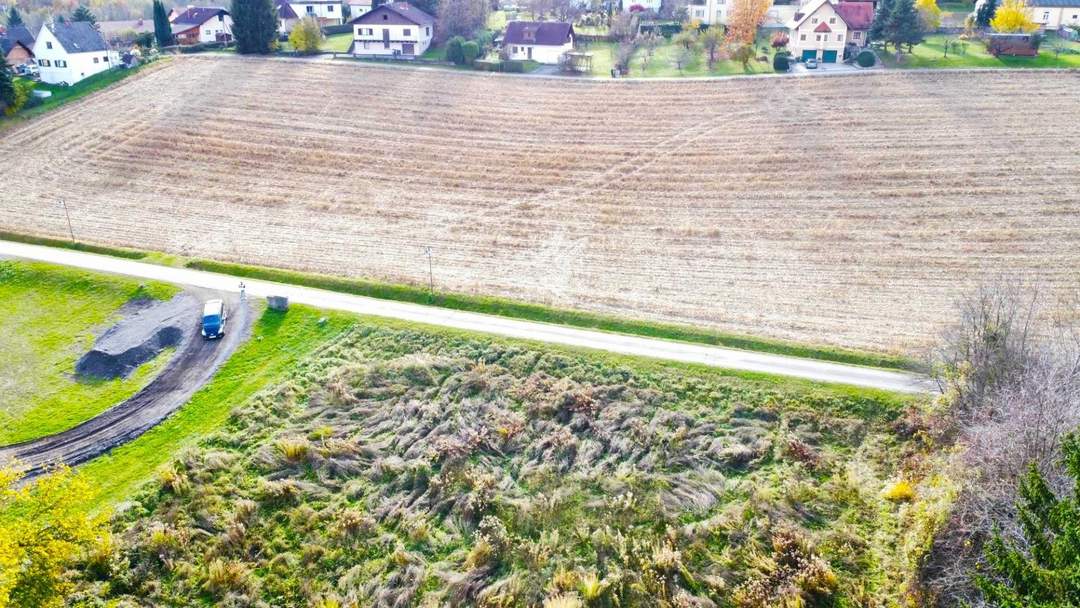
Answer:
[(710, 11), (200, 24), (358, 7), (70, 52), (393, 29), (287, 17), (822, 29), (540, 41), (1054, 14), (326, 12)]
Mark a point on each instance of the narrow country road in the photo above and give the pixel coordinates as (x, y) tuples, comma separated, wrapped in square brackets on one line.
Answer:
[(809, 369)]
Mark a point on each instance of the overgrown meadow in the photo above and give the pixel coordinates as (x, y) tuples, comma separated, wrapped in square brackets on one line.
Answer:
[(399, 467)]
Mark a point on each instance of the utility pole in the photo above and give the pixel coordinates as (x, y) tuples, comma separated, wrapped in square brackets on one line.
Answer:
[(431, 275), (68, 216)]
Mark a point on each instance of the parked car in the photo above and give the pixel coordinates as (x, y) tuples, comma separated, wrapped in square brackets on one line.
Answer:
[(811, 64), (213, 320), (27, 70)]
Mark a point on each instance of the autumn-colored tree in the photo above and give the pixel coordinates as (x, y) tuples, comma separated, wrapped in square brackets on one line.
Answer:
[(42, 529), (306, 36), (780, 40), (1012, 17), (929, 14), (712, 40), (745, 19)]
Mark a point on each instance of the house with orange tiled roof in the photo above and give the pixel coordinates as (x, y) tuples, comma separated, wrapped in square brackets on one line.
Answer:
[(823, 29)]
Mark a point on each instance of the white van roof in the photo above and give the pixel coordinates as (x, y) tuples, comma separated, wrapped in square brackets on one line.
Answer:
[(212, 307)]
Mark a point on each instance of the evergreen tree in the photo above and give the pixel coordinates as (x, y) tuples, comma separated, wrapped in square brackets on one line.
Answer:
[(162, 28), (255, 25), (13, 17), (83, 13), (881, 22), (1047, 575), (7, 84), (985, 13), (904, 26)]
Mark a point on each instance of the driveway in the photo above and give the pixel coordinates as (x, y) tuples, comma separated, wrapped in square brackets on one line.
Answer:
[(826, 68)]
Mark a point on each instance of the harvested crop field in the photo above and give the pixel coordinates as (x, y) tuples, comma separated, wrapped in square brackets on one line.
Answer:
[(849, 211)]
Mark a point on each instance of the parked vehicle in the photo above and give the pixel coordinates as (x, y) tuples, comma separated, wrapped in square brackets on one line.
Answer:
[(27, 70), (811, 64), (213, 320)]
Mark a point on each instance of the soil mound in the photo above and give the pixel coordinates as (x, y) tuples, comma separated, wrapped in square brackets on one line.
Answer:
[(139, 337)]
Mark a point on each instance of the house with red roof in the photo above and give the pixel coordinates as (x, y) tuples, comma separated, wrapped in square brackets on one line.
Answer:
[(198, 24), (824, 30)]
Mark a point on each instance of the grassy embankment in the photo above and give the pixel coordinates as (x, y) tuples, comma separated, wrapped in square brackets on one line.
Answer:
[(48, 316), (505, 307), (931, 54)]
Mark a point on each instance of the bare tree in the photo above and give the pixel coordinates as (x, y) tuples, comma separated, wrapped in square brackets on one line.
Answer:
[(1010, 375)]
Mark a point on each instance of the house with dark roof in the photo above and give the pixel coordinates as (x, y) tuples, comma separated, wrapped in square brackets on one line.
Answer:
[(540, 41), (326, 12), (1055, 14), (287, 17), (125, 31), (70, 52), (18, 45), (395, 29), (828, 31), (199, 24)]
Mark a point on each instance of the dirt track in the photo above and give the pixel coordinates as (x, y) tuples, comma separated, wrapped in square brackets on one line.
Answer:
[(187, 372)]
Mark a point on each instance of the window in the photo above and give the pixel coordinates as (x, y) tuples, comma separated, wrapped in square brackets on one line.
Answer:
[(384, 17), (95, 59), (802, 36), (855, 35), (220, 17), (427, 31), (207, 32), (329, 8), (819, 37), (43, 63), (407, 32), (839, 37), (48, 45), (311, 10), (59, 63), (1046, 16), (814, 20), (832, 20)]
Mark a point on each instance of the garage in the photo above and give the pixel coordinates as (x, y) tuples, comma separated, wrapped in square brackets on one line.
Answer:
[(829, 57), (811, 54)]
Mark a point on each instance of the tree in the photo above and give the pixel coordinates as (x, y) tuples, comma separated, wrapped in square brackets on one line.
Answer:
[(687, 39), (162, 29), (744, 54), (462, 17), (929, 14), (454, 53), (255, 25), (780, 40), (1012, 16), (712, 40), (1045, 573), (745, 18), (880, 25), (42, 529), (306, 36), (7, 84), (13, 17), (985, 13), (469, 52), (904, 26), (83, 13)]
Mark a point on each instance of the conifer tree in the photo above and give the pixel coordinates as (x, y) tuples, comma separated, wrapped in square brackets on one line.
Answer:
[(985, 13), (1047, 574), (904, 26), (13, 17), (7, 84), (162, 27), (83, 13), (255, 25), (880, 24)]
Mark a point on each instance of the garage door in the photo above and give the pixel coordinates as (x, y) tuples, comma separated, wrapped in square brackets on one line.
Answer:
[(829, 57), (812, 55)]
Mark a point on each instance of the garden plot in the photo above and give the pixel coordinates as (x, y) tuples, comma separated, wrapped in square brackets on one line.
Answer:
[(849, 211)]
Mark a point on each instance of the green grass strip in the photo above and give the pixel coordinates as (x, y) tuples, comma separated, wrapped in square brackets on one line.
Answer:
[(278, 342), (119, 252), (536, 312)]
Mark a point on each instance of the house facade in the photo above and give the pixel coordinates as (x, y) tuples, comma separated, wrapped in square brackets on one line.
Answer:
[(1054, 14), (822, 29), (357, 8), (17, 43), (200, 24), (287, 17), (326, 12), (393, 29), (540, 41), (710, 11), (70, 52)]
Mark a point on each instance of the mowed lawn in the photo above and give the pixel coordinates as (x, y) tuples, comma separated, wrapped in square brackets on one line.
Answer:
[(48, 318), (663, 62), (931, 54)]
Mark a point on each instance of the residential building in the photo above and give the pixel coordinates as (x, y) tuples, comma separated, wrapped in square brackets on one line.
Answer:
[(70, 52), (116, 32), (540, 41), (710, 11), (199, 24), (358, 7), (1054, 14), (18, 45), (326, 12), (287, 17), (823, 29), (393, 29)]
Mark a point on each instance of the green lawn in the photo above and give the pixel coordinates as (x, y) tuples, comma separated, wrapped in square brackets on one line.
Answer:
[(931, 54), (663, 62), (278, 342), (47, 318), (62, 95), (337, 43)]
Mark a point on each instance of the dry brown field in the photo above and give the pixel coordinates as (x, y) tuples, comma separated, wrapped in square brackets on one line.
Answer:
[(848, 211)]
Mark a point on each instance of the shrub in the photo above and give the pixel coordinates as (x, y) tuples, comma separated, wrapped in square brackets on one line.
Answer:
[(306, 36), (901, 491), (469, 52), (780, 40), (514, 66), (865, 58), (454, 52)]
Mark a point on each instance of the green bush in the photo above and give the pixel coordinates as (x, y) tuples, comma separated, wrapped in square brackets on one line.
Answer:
[(469, 52), (454, 50), (781, 62), (865, 58), (517, 67)]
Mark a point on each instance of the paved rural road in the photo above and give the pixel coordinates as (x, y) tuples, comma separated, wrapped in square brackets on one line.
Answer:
[(556, 334), (187, 371)]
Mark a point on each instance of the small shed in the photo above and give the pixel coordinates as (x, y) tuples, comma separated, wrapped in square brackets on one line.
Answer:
[(1013, 45)]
